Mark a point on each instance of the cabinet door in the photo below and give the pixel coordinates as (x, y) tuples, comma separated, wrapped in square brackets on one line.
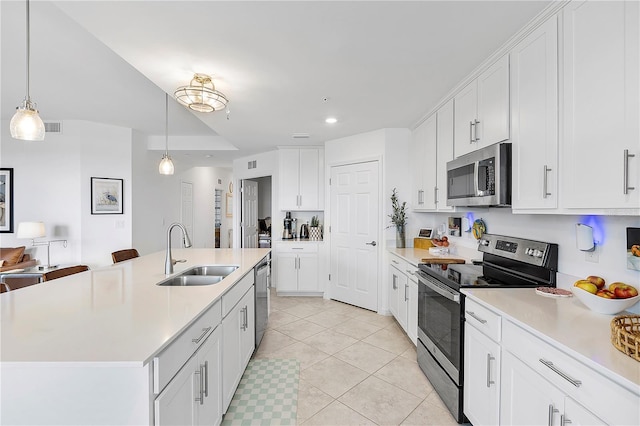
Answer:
[(309, 179), (287, 271), (444, 153), (534, 118), (308, 279), (176, 404), (209, 410), (525, 397), (231, 353), (419, 158), (289, 179), (403, 301), (493, 104), (576, 415), (394, 289), (465, 105), (412, 311), (248, 329), (600, 89), (481, 378)]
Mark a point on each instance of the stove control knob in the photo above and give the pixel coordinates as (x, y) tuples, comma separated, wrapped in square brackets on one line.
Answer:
[(484, 242), (528, 251), (538, 253)]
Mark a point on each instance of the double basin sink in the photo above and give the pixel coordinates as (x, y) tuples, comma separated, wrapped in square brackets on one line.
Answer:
[(200, 275)]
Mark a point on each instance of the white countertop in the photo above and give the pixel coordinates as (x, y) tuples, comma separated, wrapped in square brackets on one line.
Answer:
[(566, 324), (112, 314)]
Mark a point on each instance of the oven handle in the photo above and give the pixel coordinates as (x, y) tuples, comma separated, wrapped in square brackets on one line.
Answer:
[(445, 292)]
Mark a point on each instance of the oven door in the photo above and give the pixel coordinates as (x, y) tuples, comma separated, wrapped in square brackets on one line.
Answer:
[(440, 323)]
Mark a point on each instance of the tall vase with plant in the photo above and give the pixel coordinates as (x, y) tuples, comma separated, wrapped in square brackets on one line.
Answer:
[(398, 218)]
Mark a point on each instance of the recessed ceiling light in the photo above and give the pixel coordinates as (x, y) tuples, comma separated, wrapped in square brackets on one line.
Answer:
[(331, 120)]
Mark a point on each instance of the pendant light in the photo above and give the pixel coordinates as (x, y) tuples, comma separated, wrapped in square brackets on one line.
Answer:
[(166, 165), (26, 124)]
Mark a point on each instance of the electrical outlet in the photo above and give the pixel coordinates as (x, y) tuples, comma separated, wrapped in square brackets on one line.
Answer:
[(592, 256)]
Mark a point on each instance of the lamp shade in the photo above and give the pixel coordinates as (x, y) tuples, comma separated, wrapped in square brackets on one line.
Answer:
[(31, 230)]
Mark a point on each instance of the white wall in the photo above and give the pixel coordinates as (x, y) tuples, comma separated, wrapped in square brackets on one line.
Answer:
[(52, 184)]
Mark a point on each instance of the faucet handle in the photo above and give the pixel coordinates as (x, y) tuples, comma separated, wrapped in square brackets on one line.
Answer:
[(174, 261)]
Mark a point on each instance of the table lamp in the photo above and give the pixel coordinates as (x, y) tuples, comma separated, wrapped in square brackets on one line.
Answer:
[(33, 230)]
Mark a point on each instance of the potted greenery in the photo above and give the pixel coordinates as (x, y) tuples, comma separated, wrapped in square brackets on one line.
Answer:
[(398, 218), (314, 229)]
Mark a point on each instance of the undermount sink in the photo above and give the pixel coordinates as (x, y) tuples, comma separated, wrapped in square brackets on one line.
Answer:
[(200, 275)]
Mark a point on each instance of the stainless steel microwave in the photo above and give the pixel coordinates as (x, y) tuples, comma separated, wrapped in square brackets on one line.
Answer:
[(481, 178)]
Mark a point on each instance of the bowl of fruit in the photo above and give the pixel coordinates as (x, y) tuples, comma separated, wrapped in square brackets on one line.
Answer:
[(610, 300)]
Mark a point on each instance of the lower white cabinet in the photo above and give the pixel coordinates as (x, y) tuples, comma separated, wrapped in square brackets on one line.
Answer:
[(194, 395), (481, 378), (297, 268), (403, 295), (238, 343)]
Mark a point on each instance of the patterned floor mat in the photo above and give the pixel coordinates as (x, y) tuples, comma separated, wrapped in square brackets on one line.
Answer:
[(267, 394)]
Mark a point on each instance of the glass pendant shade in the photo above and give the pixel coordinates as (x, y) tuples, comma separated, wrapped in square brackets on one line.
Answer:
[(26, 124), (166, 165)]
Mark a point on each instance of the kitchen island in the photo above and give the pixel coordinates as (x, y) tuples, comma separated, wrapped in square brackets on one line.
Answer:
[(81, 349)]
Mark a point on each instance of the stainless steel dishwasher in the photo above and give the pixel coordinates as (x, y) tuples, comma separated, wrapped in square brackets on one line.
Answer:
[(263, 275)]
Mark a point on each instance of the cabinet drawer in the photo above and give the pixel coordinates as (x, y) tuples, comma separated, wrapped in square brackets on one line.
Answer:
[(485, 320), (611, 402), (172, 358), (297, 247), (233, 296), (400, 263)]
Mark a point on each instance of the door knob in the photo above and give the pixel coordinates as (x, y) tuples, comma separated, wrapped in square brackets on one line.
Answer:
[(372, 243)]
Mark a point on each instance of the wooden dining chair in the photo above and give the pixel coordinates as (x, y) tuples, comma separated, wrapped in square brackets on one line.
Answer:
[(121, 255), (63, 272)]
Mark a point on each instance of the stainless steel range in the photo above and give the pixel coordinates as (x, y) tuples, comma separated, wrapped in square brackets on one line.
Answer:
[(507, 262)]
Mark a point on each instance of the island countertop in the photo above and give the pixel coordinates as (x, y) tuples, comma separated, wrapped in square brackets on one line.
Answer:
[(113, 314)]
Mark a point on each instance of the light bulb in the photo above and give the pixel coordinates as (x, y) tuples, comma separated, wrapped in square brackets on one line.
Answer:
[(166, 165), (27, 125)]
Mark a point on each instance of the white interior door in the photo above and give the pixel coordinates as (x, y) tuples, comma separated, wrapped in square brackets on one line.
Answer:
[(186, 213), (249, 213), (355, 224)]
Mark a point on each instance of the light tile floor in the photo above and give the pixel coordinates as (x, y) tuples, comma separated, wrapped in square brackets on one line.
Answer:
[(356, 367)]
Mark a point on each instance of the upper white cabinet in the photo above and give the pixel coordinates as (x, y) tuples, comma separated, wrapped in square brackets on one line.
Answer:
[(301, 178), (423, 157), (534, 119), (432, 147), (482, 110), (601, 138)]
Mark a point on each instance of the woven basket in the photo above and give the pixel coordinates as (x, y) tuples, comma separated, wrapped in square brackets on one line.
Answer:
[(625, 335)]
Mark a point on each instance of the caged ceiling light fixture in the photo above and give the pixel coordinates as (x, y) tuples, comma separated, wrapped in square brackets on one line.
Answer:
[(166, 164), (26, 124), (201, 95)]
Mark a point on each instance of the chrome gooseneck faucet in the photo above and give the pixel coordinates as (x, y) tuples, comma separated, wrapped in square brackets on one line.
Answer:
[(169, 261)]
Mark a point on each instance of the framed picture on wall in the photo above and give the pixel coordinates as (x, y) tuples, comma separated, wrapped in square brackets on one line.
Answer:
[(106, 196), (229, 206), (6, 200)]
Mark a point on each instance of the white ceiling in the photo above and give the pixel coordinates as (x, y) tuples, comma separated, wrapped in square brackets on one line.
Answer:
[(380, 64)]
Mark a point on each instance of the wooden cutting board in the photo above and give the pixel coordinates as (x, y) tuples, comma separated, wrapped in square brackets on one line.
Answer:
[(439, 260)]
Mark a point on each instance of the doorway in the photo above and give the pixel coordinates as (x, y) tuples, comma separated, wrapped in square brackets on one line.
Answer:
[(255, 212), (355, 223)]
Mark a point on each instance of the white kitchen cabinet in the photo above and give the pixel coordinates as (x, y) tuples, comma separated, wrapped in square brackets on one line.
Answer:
[(238, 343), (534, 119), (301, 178), (432, 147), (482, 110), (403, 295), (297, 268), (423, 157), (600, 159), (193, 396), (481, 365)]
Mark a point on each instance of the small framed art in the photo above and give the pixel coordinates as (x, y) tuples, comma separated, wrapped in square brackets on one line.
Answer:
[(106, 196), (6, 200)]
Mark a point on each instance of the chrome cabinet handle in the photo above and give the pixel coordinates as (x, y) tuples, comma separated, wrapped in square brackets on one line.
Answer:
[(242, 326), (475, 130), (205, 374), (406, 287), (625, 163), (372, 243), (489, 381), (545, 184), (435, 195), (561, 373), (204, 333), (410, 272), (199, 399), (475, 317), (471, 124), (246, 317), (564, 420), (420, 196), (552, 410), (395, 282), (395, 261)]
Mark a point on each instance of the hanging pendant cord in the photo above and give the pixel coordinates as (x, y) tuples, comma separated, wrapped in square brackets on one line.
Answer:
[(166, 123), (28, 52)]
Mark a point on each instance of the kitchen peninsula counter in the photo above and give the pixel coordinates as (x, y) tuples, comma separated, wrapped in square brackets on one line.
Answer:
[(113, 314)]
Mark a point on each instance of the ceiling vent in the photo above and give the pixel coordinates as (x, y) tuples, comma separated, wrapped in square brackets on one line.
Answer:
[(53, 127), (300, 135), (252, 164)]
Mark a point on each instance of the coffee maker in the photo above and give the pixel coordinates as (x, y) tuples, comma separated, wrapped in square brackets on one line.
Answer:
[(287, 234)]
